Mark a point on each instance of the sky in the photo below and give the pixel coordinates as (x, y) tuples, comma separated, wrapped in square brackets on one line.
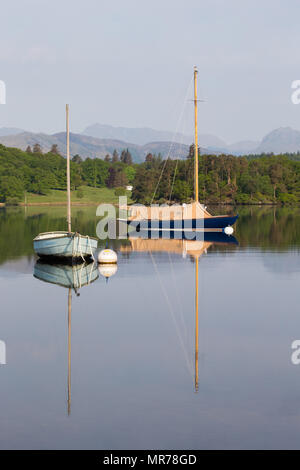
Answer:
[(129, 63)]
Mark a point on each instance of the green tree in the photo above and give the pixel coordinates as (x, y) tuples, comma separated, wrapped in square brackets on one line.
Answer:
[(54, 149), (115, 157), (77, 159), (11, 187), (37, 148)]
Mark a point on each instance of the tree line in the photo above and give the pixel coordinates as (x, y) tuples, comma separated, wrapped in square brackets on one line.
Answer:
[(276, 228), (36, 172), (222, 178)]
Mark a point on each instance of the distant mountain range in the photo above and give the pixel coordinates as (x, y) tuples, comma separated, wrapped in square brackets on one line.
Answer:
[(87, 146), (10, 131), (141, 141), (144, 135), (284, 139), (139, 136)]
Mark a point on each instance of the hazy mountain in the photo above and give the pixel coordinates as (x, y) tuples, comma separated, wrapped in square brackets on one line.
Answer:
[(139, 135), (243, 147), (284, 139), (144, 135), (211, 141), (10, 131), (87, 146)]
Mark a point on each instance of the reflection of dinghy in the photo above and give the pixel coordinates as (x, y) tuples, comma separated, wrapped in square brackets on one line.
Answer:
[(73, 276), (65, 244)]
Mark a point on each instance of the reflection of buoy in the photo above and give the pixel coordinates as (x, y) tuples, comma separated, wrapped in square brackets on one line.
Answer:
[(228, 230), (107, 270), (107, 256)]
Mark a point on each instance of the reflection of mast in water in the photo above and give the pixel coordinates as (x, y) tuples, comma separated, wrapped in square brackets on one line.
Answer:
[(74, 276), (196, 326), (69, 349), (195, 249)]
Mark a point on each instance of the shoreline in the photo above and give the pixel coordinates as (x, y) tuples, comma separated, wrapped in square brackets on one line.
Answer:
[(82, 204)]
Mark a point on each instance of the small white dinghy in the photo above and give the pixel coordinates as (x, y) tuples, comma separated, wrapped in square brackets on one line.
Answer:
[(65, 245)]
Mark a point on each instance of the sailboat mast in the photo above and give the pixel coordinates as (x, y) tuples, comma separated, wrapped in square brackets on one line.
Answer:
[(68, 169), (196, 135)]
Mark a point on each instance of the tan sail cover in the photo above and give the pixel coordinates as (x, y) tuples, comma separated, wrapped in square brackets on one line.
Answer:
[(194, 210)]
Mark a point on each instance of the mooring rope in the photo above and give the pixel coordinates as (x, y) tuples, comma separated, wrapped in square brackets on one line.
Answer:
[(89, 241)]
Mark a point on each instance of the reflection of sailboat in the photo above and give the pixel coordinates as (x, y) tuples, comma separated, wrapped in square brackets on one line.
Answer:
[(71, 277), (195, 249)]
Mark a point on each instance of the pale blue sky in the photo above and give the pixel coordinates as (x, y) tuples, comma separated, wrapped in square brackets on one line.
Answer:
[(129, 62)]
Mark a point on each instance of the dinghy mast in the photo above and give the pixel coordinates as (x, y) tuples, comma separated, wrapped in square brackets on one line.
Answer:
[(69, 350), (196, 135), (68, 169)]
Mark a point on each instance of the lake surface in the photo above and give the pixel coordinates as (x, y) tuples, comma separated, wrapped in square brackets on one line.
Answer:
[(127, 380)]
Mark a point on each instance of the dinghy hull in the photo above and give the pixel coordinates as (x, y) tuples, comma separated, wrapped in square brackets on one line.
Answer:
[(64, 245)]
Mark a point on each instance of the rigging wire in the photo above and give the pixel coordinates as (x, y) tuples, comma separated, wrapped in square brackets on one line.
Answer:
[(179, 154), (173, 139)]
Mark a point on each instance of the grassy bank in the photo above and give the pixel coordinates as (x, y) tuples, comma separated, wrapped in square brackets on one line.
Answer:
[(91, 196)]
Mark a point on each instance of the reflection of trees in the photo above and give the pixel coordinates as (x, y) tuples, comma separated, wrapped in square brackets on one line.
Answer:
[(19, 226), (269, 228), (262, 227)]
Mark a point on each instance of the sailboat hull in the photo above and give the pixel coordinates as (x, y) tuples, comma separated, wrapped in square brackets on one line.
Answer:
[(64, 245), (207, 223)]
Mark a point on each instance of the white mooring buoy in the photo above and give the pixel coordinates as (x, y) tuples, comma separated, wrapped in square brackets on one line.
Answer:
[(107, 256), (228, 230)]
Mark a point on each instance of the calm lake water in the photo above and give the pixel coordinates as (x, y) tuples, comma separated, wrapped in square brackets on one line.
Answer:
[(128, 380)]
